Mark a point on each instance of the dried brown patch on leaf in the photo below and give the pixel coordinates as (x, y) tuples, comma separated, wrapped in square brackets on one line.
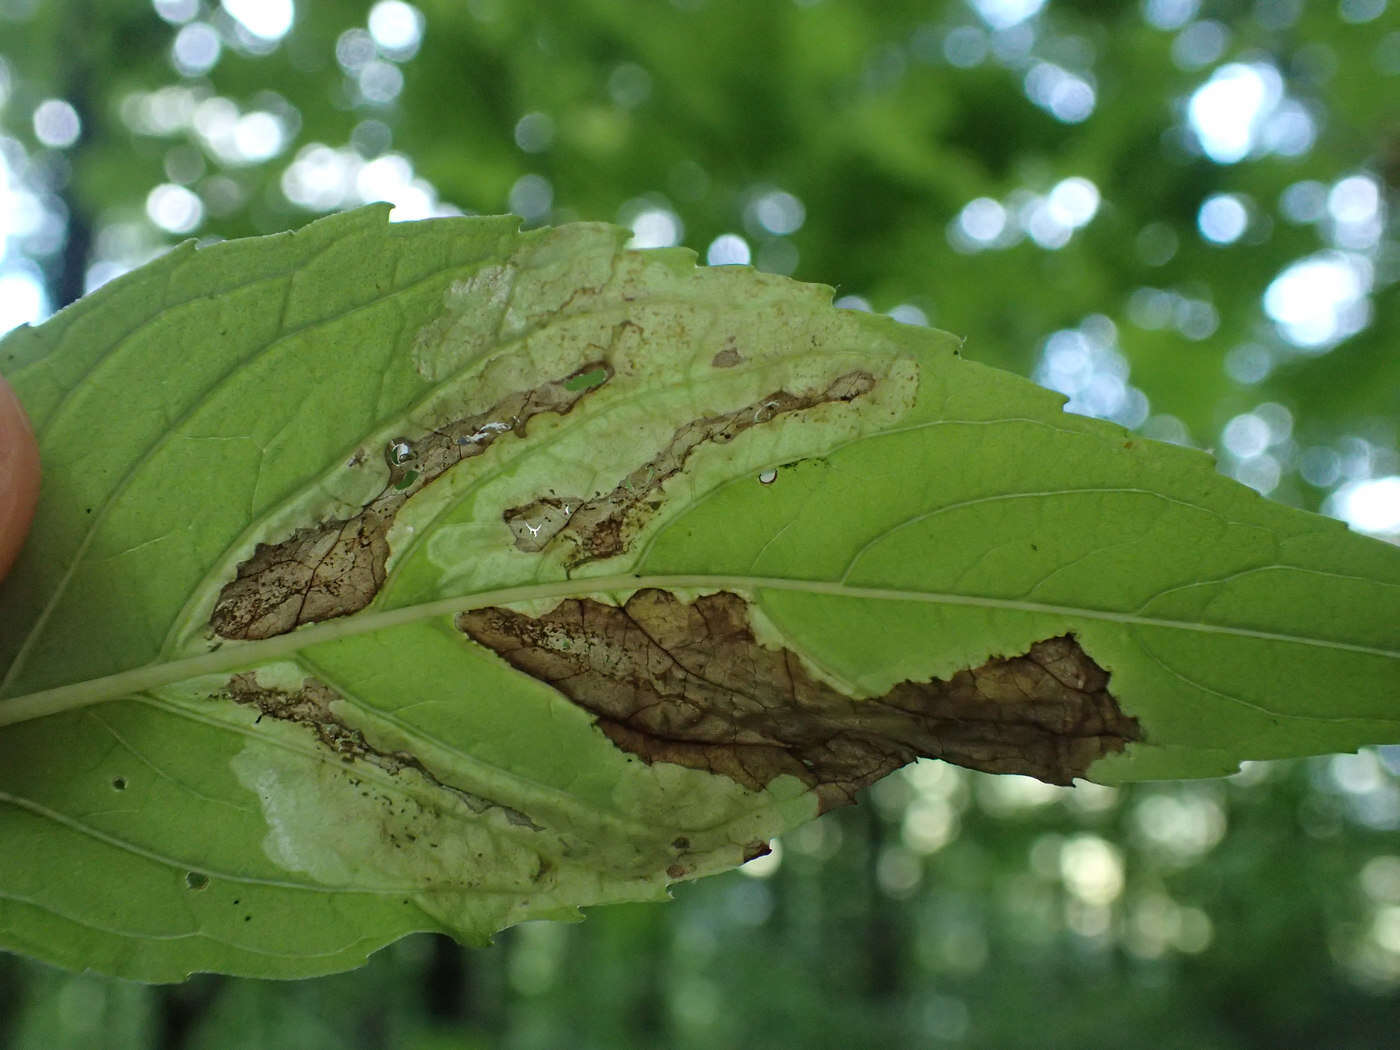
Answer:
[(535, 523), (310, 706), (688, 683), (603, 526), (336, 568)]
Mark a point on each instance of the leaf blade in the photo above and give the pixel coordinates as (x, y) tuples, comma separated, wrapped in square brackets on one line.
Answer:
[(881, 513)]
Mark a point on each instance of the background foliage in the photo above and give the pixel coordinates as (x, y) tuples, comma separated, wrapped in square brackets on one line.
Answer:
[(1176, 212)]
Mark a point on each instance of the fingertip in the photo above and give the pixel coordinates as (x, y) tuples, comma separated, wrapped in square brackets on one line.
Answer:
[(19, 476)]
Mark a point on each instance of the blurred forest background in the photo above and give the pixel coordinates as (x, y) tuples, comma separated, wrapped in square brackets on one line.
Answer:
[(1176, 212)]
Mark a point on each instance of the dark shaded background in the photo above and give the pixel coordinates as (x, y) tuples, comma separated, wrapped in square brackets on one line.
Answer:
[(1177, 212)]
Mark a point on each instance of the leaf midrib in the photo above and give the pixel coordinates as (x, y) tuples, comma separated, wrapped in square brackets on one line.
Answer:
[(235, 655)]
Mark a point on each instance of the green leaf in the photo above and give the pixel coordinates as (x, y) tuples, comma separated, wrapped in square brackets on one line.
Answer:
[(441, 576)]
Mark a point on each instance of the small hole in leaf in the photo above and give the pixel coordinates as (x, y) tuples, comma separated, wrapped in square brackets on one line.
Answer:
[(593, 377), (196, 880), (407, 480), (768, 477), (399, 451), (119, 783)]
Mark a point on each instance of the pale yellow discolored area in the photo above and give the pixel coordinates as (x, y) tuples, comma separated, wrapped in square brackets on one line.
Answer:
[(344, 825), (377, 806), (468, 327), (473, 534)]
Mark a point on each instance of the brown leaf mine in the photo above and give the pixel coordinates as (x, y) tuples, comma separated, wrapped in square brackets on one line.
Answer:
[(602, 527), (688, 683), (310, 706), (336, 568)]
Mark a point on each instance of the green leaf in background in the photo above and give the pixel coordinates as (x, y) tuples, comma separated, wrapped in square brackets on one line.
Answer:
[(441, 576)]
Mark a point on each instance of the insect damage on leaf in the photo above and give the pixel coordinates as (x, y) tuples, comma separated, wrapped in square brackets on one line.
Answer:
[(310, 706), (336, 568), (602, 527), (727, 358), (688, 683), (361, 810)]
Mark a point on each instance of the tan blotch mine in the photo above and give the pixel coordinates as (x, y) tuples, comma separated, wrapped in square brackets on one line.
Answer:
[(335, 568), (671, 681), (603, 527)]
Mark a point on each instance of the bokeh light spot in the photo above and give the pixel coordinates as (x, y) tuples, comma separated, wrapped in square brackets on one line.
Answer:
[(1227, 111), (397, 28), (655, 228), (319, 179), (965, 47), (258, 137), (629, 85), (386, 178), (1245, 436), (1354, 199), (767, 865), (1303, 202), (728, 249), (1290, 130), (21, 299), (1086, 366), (380, 82), (372, 138), (1356, 210), (982, 220), (1003, 14), (1200, 44), (176, 12), (56, 123), (1073, 201), (174, 208), (1092, 869), (266, 19), (1359, 11), (1369, 504), (1249, 363), (1320, 300), (534, 132), (354, 49), (1222, 218), (1169, 14), (1066, 96), (908, 313), (777, 212), (195, 49)]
